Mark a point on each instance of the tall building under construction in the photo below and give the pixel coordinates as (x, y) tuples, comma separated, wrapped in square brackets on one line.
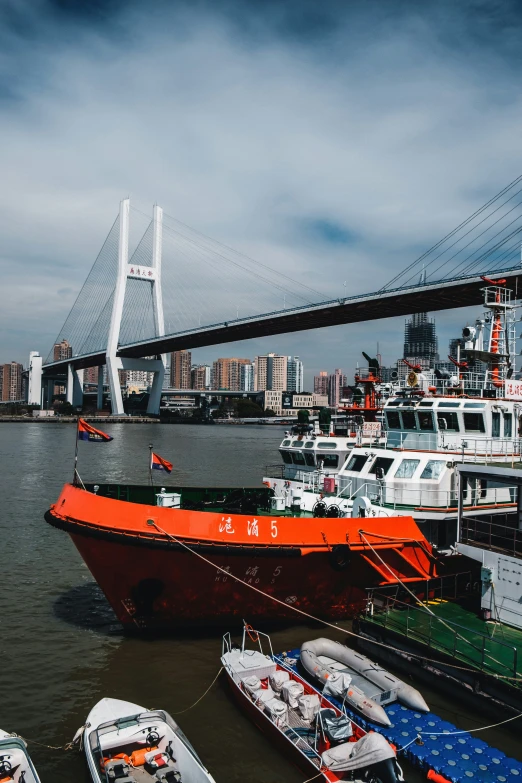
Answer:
[(420, 339)]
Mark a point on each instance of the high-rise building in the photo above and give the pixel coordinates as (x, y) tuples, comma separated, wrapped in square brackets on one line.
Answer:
[(90, 375), (270, 372), (247, 377), (226, 373), (138, 378), (294, 375), (11, 381), (180, 366), (335, 385), (321, 383), (420, 339), (62, 350), (200, 377)]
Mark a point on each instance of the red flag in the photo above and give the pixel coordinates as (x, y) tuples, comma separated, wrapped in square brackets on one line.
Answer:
[(88, 432), (158, 463)]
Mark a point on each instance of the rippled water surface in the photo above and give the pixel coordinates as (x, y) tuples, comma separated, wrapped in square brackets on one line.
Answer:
[(61, 649)]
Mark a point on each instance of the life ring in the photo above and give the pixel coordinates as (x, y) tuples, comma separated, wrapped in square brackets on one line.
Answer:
[(340, 557)]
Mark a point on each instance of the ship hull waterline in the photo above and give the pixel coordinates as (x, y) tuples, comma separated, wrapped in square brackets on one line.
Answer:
[(139, 557)]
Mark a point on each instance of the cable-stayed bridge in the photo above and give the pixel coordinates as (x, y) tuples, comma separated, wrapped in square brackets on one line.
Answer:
[(179, 289)]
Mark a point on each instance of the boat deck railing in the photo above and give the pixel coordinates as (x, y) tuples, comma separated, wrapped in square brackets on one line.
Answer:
[(491, 535), (423, 625)]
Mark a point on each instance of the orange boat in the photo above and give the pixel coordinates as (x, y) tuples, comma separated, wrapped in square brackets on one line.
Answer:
[(191, 556)]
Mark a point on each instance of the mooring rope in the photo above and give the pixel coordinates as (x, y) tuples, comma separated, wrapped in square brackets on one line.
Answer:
[(201, 697)]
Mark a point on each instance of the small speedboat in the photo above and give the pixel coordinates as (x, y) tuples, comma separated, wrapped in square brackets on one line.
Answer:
[(15, 762), (126, 743), (361, 683), (313, 733)]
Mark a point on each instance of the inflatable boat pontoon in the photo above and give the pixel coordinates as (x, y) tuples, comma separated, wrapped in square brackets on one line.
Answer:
[(363, 684)]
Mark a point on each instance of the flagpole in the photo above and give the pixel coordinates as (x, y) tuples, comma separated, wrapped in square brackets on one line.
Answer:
[(150, 464), (76, 450)]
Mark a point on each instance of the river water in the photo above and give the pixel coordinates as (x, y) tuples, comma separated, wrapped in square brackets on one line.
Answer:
[(61, 649)]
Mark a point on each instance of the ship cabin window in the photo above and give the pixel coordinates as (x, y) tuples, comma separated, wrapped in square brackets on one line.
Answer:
[(287, 457), (384, 463), (393, 403), (425, 404), (433, 470), (408, 420), (285, 443), (309, 444), (495, 424), (327, 444), (407, 468), (393, 420), (357, 462), (425, 420), (296, 444), (298, 458), (329, 460), (449, 405), (451, 421), (474, 422), (474, 404), (508, 425), (309, 459)]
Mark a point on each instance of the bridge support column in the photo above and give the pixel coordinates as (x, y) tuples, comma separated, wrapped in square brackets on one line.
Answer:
[(153, 407), (99, 397), (113, 363), (77, 395), (50, 393)]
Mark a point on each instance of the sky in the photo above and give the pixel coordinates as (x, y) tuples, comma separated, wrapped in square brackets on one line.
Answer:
[(334, 141)]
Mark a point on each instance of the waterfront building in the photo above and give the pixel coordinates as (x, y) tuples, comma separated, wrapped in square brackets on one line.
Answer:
[(62, 350), (270, 372), (336, 381), (247, 377), (321, 383), (180, 367), (226, 373), (90, 375), (11, 381), (285, 403), (200, 377), (137, 379), (294, 374)]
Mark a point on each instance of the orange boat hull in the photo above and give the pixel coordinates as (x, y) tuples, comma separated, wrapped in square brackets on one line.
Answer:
[(168, 568)]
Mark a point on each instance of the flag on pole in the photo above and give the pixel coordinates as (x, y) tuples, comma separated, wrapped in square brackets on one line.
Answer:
[(158, 463), (88, 432)]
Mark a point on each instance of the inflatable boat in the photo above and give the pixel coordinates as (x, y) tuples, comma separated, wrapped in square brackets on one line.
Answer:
[(363, 684)]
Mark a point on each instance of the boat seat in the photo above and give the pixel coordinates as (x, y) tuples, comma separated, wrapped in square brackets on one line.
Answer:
[(168, 775), (118, 770)]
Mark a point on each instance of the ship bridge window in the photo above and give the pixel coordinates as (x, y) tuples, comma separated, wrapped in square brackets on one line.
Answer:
[(309, 444), (384, 463), (406, 468), (451, 421), (329, 460), (357, 462), (434, 469), (296, 444), (298, 458), (508, 425), (449, 405), (393, 403), (474, 404), (285, 443), (474, 422), (309, 459), (393, 420), (424, 404), (495, 424), (327, 444), (425, 420), (287, 457), (408, 420)]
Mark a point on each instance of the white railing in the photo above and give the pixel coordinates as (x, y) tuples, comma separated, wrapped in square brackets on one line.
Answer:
[(388, 496), (464, 448)]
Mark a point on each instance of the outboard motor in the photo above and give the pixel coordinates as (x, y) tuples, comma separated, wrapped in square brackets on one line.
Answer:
[(387, 771)]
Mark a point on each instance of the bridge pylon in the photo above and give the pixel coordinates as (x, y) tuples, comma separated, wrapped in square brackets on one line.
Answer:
[(148, 275)]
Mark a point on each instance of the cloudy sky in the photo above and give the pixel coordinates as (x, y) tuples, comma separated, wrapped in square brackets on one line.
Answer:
[(336, 141)]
